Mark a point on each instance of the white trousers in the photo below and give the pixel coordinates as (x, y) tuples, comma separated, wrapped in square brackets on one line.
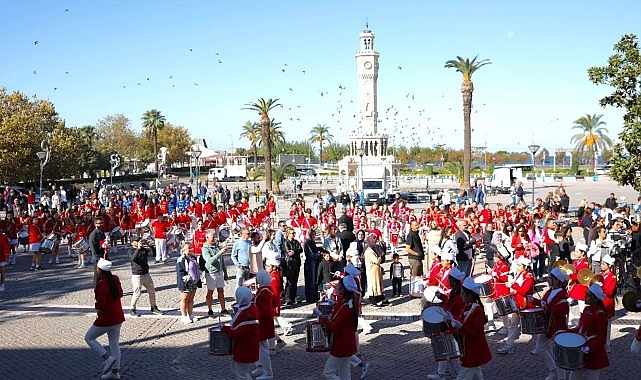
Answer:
[(241, 371), (264, 361), (513, 329), (470, 373), (337, 368), (161, 249), (441, 366), (584, 374), (548, 357), (137, 282), (113, 334)]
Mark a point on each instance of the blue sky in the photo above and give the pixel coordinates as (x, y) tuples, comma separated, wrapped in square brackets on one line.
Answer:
[(200, 62)]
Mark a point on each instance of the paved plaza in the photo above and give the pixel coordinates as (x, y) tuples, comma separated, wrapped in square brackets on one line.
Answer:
[(44, 316)]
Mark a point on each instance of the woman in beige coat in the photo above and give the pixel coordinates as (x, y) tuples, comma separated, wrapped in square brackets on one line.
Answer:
[(373, 255)]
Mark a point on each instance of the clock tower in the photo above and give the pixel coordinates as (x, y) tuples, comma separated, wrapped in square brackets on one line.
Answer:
[(367, 72)]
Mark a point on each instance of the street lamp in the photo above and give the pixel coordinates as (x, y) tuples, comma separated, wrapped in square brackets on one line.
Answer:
[(44, 155), (360, 152), (114, 160), (533, 148), (196, 153), (163, 153)]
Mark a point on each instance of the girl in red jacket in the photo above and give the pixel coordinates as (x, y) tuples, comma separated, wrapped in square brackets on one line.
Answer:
[(522, 288), (471, 332), (500, 274), (244, 333), (593, 324), (265, 303), (108, 292), (609, 286), (342, 323)]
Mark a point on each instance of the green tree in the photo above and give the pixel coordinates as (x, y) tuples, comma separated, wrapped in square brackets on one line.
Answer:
[(335, 152), (177, 140), (280, 173), (263, 107), (593, 137), (251, 131), (623, 73), (114, 133), (467, 67), (152, 122), (320, 134)]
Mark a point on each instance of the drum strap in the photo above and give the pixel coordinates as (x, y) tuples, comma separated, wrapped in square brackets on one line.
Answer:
[(245, 323)]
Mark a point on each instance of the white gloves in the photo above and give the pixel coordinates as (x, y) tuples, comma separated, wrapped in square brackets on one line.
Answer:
[(544, 304), (585, 349), (438, 293), (456, 324), (530, 298)]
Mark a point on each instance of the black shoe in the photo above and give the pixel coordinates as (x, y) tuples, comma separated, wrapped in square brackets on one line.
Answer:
[(134, 313), (155, 310), (210, 314), (225, 312)]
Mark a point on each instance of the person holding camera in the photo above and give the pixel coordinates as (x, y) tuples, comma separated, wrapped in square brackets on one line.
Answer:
[(599, 248), (140, 276), (215, 272)]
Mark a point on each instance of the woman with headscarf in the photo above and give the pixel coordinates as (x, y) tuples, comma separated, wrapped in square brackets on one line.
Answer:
[(342, 323), (108, 292), (374, 271), (244, 332)]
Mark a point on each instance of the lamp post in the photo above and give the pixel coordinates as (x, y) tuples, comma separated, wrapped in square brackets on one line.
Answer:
[(163, 153), (196, 153), (44, 155), (361, 152), (114, 160), (533, 148)]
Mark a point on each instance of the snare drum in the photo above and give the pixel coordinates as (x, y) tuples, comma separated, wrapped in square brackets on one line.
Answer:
[(219, 342), (486, 281), (316, 336), (430, 297), (144, 226), (81, 245), (417, 286), (23, 236), (444, 347), (433, 321), (533, 321), (325, 307), (251, 284), (47, 245), (117, 233), (506, 305), (568, 350)]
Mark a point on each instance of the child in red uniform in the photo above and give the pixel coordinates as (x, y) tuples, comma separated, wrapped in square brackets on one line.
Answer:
[(555, 303), (271, 266), (609, 286), (244, 332), (265, 302), (577, 291), (521, 288), (470, 325), (500, 274), (342, 323), (593, 324)]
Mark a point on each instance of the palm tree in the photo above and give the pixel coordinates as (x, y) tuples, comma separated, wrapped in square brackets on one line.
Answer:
[(320, 133), (592, 137), (467, 68), (263, 107), (152, 122), (251, 131), (280, 173), (456, 169)]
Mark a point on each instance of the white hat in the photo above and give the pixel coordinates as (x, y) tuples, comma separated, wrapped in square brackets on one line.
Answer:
[(271, 261), (581, 247), (457, 274), (352, 270), (263, 278), (523, 261), (597, 291), (470, 284), (559, 274), (447, 255), (608, 260), (350, 283), (104, 265)]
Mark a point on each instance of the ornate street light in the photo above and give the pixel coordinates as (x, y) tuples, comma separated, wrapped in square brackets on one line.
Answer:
[(533, 148), (44, 155), (114, 160), (360, 152), (196, 153)]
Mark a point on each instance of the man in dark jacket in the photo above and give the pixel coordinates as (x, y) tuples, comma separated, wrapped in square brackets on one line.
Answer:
[(140, 277)]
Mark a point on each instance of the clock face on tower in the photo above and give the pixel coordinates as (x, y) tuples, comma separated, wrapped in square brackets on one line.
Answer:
[(367, 65)]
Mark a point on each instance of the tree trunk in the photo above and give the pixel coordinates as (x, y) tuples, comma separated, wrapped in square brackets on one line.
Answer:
[(320, 157), (466, 89), (155, 148), (255, 157), (267, 153)]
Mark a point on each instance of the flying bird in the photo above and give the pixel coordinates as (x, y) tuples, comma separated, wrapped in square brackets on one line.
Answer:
[(220, 61), (35, 72), (66, 10), (400, 68)]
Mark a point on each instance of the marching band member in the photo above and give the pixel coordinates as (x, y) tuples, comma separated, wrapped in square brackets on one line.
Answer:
[(454, 305), (609, 286), (500, 274), (265, 303), (356, 360), (577, 290), (342, 323), (521, 287), (470, 325), (556, 306), (244, 331), (593, 324), (35, 238)]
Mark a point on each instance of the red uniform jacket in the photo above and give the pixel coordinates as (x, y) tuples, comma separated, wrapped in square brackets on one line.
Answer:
[(109, 309), (593, 324), (556, 310), (500, 273), (35, 236), (244, 332), (474, 349), (276, 290), (453, 304), (198, 240), (610, 289), (265, 302), (578, 291), (523, 286), (5, 248), (341, 325), (160, 229)]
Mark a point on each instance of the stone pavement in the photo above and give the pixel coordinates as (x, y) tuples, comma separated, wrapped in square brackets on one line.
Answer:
[(44, 316)]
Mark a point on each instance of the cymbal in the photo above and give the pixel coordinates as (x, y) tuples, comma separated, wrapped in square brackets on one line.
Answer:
[(568, 269), (585, 276), (630, 301), (559, 263)]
